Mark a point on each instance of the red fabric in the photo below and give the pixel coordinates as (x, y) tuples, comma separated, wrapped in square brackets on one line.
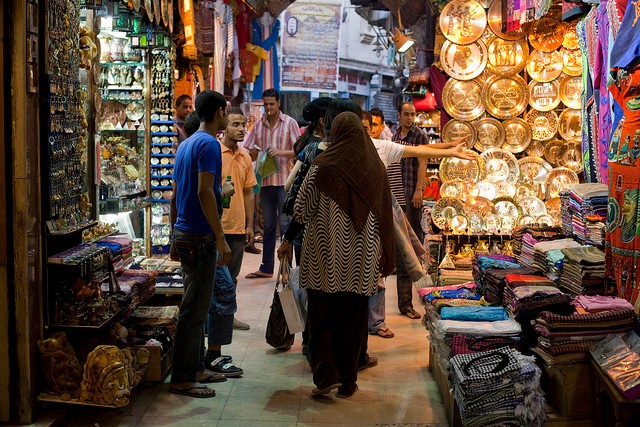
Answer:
[(437, 81), (248, 61), (243, 25)]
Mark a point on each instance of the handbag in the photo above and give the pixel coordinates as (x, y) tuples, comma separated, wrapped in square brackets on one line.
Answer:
[(277, 334), (289, 303)]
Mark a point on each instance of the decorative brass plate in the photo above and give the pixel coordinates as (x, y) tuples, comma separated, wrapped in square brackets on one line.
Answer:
[(479, 205), (494, 17), (547, 220), (571, 62), (570, 125), (507, 206), (544, 96), (560, 179), (553, 209), (462, 99), (486, 189), (452, 189), (507, 224), (517, 135), (492, 223), (554, 151), (464, 170), (570, 40), (459, 224), (524, 190), (454, 130), (505, 189), (532, 206), (547, 34), (535, 149), (463, 62), (500, 165), (533, 170), (572, 158), (570, 91), (505, 97), (506, 57), (490, 134), (444, 210), (544, 66), (544, 124), (463, 22), (526, 220)]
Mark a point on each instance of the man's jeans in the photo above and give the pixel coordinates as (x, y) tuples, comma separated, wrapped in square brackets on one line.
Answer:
[(221, 309), (272, 199), (237, 243), (377, 311), (404, 282), (198, 254)]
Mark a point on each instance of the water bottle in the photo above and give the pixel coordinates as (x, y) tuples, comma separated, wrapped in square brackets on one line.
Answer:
[(226, 199)]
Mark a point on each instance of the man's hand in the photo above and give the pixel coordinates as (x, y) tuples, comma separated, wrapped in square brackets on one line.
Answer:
[(273, 152), (253, 152), (224, 253), (417, 198), (249, 236), (173, 253), (461, 152), (228, 189), (285, 250)]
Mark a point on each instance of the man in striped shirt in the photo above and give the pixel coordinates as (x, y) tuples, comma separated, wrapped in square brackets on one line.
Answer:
[(275, 133)]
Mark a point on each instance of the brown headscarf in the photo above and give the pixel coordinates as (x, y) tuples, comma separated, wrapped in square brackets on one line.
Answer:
[(351, 173)]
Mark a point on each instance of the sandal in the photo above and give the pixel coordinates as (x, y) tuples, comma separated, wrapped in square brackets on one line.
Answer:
[(411, 314), (189, 391), (258, 275), (384, 332), (211, 377)]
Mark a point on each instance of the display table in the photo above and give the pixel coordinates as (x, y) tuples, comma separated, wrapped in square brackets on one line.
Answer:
[(627, 412)]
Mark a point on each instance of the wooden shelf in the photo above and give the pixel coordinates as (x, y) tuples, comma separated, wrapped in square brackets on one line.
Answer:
[(54, 398)]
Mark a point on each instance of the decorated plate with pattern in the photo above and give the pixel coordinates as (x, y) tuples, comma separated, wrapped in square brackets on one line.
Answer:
[(479, 205), (506, 57), (544, 66), (571, 91), (463, 21), (465, 170), (560, 179), (444, 210), (570, 125), (544, 124), (505, 189), (517, 135), (486, 189), (463, 62), (547, 34), (532, 206), (533, 169), (544, 96), (571, 62), (494, 18), (572, 157), (500, 165), (456, 130), (507, 206), (505, 97), (490, 134), (463, 99)]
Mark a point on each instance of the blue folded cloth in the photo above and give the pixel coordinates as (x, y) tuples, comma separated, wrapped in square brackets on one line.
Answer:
[(474, 314)]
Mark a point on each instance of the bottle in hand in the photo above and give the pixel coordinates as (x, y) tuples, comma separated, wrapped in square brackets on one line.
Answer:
[(226, 199)]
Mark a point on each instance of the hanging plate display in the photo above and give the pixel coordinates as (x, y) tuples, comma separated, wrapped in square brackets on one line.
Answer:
[(500, 165), (546, 220), (553, 209), (560, 179), (544, 66), (444, 210), (570, 91), (455, 130), (486, 189), (507, 206), (526, 220), (459, 224), (547, 34), (533, 169), (492, 223), (544, 124), (452, 189), (505, 97), (506, 57), (505, 189), (111, 115), (570, 40), (148, 7), (135, 111), (463, 62), (532, 206), (462, 99), (490, 134), (535, 149), (464, 170), (544, 96), (570, 125), (479, 205), (463, 21), (571, 62), (572, 157), (507, 224), (554, 151), (517, 135), (494, 17)]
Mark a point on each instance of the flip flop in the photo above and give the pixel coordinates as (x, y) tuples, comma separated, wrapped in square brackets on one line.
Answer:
[(189, 391), (411, 314), (212, 377), (385, 332), (258, 275)]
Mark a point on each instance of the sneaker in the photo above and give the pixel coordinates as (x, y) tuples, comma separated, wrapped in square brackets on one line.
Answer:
[(223, 366), (240, 325), (371, 362)]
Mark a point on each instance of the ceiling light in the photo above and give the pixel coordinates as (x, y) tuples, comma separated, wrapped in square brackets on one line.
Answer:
[(402, 41)]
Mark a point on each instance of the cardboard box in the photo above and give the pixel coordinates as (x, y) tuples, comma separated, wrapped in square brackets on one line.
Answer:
[(571, 389), (159, 364)]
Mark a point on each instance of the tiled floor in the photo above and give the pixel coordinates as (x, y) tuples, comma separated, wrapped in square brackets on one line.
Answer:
[(275, 389)]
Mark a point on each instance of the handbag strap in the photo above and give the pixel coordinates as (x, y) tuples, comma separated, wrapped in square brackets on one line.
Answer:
[(503, 363), (283, 273)]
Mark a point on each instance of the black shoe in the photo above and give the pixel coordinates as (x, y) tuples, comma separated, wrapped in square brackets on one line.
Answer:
[(371, 362), (347, 390), (224, 366), (252, 249)]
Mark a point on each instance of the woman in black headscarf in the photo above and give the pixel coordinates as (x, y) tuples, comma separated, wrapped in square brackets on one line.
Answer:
[(348, 242)]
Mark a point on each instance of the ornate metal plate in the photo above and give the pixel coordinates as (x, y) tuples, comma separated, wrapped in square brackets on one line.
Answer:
[(535, 149), (464, 170), (517, 135), (547, 34), (479, 205), (459, 224), (505, 189), (526, 220), (544, 124), (500, 165), (505, 97), (570, 91), (507, 224), (454, 130), (444, 210), (524, 190), (462, 99), (490, 134), (506, 57), (463, 62), (463, 22), (553, 209), (507, 206), (544, 96), (485, 189), (572, 157), (532, 206), (545, 220), (560, 179), (571, 62), (570, 40), (533, 169), (544, 66), (492, 223), (570, 125), (554, 151), (494, 17), (452, 189)]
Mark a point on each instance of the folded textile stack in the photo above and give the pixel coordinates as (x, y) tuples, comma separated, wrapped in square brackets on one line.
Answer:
[(121, 250), (540, 294), (465, 344), (466, 290), (548, 256), (581, 204), (536, 233), (484, 262), (138, 285), (495, 282), (498, 387), (583, 271), (453, 277), (565, 339)]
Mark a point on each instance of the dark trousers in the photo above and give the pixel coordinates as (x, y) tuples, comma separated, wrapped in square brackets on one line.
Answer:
[(236, 243), (405, 291), (337, 327)]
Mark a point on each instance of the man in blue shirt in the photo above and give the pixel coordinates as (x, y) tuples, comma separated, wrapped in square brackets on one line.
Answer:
[(196, 209)]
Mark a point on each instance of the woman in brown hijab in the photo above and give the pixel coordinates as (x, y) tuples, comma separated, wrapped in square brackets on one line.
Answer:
[(348, 243)]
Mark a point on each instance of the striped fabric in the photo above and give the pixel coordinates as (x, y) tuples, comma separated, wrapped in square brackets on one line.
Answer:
[(281, 137), (603, 319), (394, 171), (335, 257)]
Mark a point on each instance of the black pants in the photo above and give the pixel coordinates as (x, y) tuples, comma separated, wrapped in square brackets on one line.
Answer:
[(337, 327)]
